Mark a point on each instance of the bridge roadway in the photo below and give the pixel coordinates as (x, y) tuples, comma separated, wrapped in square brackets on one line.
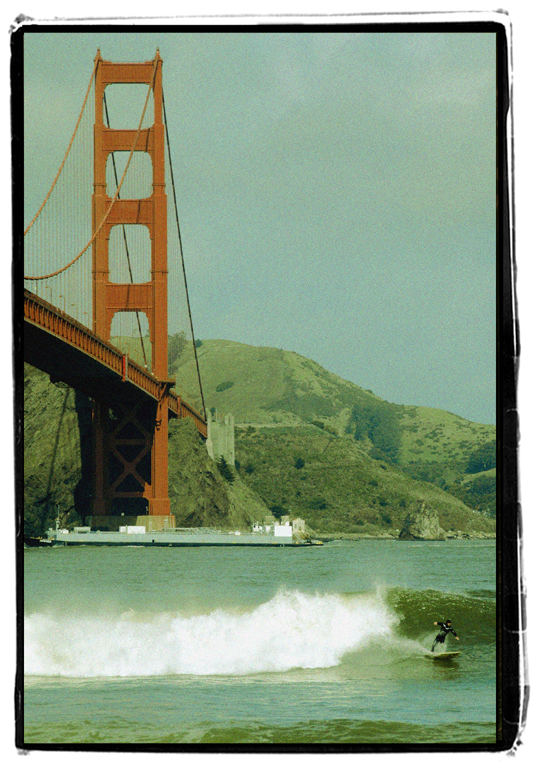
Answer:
[(56, 343)]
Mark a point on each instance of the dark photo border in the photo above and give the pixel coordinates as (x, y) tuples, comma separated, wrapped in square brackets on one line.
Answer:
[(511, 691)]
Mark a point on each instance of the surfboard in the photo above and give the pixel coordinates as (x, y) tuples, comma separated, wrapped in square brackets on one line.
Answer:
[(445, 655)]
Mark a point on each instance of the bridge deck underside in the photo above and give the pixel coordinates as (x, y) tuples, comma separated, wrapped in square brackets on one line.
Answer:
[(71, 365), (69, 352)]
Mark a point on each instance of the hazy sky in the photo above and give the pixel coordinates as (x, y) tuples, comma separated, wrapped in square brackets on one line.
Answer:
[(336, 193)]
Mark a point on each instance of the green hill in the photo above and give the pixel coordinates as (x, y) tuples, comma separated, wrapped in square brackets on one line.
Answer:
[(294, 406), (258, 384), (336, 486), (263, 385)]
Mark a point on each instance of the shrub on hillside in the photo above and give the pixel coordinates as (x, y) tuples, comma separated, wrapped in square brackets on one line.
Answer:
[(479, 493), (224, 385), (278, 511), (379, 422), (482, 458), (176, 345), (225, 470)]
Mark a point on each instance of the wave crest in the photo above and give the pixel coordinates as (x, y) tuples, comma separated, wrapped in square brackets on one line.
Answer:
[(292, 630), (474, 618)]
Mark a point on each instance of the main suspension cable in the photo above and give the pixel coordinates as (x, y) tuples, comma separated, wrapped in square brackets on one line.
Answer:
[(182, 259)]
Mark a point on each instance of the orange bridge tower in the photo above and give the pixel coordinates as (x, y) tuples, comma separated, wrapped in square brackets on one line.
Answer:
[(131, 438)]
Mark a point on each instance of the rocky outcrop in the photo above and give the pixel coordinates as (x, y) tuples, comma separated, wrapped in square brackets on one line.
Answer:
[(422, 525)]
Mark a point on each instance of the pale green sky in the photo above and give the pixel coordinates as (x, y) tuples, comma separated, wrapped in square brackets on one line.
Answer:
[(336, 193)]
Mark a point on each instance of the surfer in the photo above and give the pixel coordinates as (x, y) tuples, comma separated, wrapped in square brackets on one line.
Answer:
[(445, 627)]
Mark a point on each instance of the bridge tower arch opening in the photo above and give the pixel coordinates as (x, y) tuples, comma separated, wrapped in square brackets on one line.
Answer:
[(131, 441), (130, 249)]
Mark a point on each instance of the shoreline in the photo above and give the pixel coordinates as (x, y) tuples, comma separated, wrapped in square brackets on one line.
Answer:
[(475, 536)]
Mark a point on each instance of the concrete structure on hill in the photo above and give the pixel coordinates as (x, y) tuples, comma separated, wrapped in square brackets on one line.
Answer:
[(220, 440)]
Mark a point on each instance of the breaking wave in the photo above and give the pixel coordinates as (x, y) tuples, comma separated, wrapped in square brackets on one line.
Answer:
[(292, 630)]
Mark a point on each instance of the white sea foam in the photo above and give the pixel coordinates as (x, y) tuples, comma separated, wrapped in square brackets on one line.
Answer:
[(291, 630)]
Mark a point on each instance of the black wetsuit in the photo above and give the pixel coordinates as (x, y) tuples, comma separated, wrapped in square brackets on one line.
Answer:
[(444, 630)]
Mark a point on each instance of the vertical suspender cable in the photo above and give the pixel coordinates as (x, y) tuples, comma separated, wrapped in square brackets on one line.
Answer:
[(67, 151), (182, 259)]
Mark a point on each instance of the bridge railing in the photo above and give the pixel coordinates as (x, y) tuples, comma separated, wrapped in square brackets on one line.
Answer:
[(50, 318)]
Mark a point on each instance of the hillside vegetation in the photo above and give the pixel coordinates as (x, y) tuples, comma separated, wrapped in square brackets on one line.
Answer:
[(336, 486), (265, 386)]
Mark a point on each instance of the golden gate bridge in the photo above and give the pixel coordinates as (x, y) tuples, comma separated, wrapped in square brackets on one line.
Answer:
[(98, 285)]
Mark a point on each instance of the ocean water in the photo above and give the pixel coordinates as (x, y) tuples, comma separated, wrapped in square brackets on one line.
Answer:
[(288, 645)]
